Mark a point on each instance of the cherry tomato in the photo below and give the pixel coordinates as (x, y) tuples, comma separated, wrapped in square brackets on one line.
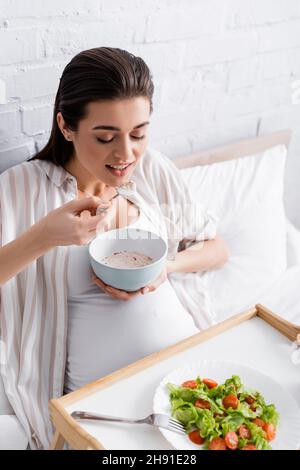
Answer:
[(244, 432), (231, 440), (259, 422), (195, 437), (190, 384), (249, 400), (270, 431), (217, 443), (200, 403), (230, 401), (210, 383), (249, 447)]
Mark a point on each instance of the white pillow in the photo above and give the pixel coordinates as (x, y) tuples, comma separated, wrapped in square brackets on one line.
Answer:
[(247, 195)]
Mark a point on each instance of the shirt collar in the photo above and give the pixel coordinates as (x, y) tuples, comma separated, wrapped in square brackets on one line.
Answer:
[(56, 173)]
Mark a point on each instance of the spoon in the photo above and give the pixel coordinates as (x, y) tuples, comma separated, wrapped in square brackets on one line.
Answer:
[(101, 210), (125, 190)]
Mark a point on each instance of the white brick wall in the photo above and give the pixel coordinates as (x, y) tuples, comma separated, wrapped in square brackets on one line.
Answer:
[(223, 69)]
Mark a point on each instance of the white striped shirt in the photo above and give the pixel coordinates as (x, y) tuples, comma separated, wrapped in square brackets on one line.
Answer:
[(33, 308)]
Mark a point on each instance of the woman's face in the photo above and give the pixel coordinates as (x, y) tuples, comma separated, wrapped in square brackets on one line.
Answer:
[(111, 138)]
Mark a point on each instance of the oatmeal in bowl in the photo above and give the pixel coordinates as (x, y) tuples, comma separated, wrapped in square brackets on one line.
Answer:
[(128, 258)]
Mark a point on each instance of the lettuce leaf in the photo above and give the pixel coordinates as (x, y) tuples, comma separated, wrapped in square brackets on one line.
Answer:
[(258, 437), (270, 415), (207, 424), (231, 423), (186, 414)]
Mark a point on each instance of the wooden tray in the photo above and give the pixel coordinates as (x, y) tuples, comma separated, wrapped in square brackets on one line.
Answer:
[(256, 337)]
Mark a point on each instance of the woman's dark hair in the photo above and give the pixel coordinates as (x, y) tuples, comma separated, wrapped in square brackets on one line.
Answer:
[(103, 73)]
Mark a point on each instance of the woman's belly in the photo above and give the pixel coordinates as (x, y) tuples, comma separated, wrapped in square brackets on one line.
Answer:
[(105, 334)]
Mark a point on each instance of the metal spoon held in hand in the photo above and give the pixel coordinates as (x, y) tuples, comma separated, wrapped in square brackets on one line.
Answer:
[(124, 190), (102, 210)]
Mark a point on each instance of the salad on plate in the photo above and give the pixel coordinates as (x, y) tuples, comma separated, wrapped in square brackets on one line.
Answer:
[(223, 416)]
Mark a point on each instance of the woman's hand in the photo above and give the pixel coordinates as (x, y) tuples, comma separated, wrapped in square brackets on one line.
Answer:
[(157, 282), (124, 295), (74, 223), (115, 293)]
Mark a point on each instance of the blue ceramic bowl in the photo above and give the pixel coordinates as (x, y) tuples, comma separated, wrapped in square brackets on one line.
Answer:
[(128, 239)]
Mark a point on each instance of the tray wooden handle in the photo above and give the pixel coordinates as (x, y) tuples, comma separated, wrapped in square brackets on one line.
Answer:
[(68, 430), (290, 330)]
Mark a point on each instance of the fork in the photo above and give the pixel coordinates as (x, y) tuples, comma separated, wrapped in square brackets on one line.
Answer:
[(154, 419)]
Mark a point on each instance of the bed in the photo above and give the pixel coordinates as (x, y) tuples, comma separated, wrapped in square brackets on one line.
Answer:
[(265, 246)]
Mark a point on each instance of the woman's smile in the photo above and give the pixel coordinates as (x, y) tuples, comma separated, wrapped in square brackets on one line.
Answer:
[(119, 170)]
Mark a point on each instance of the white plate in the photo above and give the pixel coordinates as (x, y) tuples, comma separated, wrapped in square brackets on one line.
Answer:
[(288, 432)]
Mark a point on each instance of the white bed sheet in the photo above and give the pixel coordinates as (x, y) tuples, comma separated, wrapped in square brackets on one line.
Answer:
[(283, 297)]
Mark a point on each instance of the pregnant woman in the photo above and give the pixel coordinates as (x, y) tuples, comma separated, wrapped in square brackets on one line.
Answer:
[(60, 326)]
